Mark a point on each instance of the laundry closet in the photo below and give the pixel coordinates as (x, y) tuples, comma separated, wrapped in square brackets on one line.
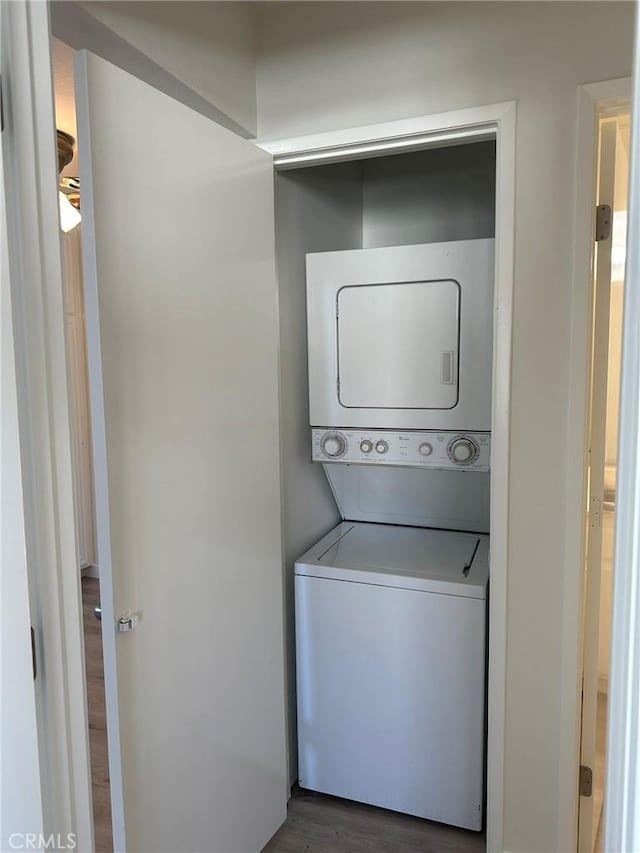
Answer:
[(385, 277), (320, 427)]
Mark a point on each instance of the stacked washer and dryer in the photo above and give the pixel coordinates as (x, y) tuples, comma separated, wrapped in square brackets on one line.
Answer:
[(391, 605)]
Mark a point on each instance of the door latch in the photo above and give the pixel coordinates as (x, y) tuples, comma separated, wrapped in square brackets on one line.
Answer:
[(128, 622)]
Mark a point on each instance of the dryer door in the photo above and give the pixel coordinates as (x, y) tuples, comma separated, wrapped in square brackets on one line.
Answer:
[(398, 345), (400, 337)]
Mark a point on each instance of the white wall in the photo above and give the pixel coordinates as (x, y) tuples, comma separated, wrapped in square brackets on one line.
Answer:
[(331, 65), (430, 196), (207, 46)]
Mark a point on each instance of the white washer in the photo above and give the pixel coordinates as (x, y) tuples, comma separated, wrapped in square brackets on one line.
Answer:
[(390, 648)]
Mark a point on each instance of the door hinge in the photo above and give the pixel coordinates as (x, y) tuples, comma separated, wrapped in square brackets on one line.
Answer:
[(33, 654), (595, 513), (586, 781), (603, 222)]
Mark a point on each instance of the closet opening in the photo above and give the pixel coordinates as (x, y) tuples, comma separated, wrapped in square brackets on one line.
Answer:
[(329, 216)]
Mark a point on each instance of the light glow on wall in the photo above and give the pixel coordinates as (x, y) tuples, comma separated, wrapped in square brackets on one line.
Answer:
[(619, 245)]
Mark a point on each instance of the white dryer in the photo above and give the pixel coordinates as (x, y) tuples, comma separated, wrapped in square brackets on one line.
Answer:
[(390, 648), (400, 337)]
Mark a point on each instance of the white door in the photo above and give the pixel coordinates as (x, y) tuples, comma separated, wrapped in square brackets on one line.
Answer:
[(180, 301), (603, 428)]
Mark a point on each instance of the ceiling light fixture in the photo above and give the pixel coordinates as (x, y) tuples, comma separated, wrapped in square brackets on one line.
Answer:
[(70, 216)]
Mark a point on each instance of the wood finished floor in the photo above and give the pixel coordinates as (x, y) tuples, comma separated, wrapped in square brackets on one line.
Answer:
[(97, 717), (319, 824)]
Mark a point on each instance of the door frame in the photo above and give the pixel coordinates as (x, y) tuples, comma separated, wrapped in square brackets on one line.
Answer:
[(458, 126), (607, 163), (595, 100), (29, 148), (622, 830), (21, 785)]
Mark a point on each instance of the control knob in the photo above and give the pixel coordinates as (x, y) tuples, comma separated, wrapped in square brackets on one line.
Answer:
[(366, 446), (333, 445), (381, 446), (462, 450), (426, 449)]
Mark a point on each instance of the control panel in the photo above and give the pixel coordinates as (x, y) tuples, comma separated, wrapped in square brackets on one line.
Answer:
[(468, 451)]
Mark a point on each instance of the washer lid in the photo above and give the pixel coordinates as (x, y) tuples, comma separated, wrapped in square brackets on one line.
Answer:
[(406, 557)]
